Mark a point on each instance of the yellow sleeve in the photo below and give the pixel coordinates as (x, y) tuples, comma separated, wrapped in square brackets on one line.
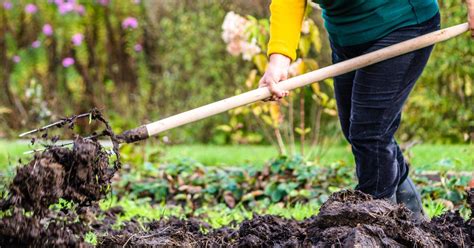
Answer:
[(285, 26)]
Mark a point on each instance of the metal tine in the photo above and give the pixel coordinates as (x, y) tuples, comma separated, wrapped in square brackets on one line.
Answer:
[(61, 145), (53, 125)]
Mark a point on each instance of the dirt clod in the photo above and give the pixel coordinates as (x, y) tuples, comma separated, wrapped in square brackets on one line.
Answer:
[(56, 229), (470, 201), (268, 231)]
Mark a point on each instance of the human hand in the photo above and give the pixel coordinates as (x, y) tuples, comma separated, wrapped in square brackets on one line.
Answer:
[(277, 70)]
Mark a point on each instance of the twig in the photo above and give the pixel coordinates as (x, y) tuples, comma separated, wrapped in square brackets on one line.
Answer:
[(129, 239)]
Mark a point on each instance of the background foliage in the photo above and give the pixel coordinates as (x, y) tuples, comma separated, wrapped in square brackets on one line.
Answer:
[(442, 106), (175, 59)]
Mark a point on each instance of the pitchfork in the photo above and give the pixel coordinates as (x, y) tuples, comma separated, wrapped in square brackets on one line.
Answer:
[(145, 131)]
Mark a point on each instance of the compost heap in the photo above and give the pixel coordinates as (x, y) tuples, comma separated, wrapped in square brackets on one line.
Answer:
[(82, 175)]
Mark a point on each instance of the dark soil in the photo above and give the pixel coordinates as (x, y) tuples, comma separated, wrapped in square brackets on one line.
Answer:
[(347, 219), (80, 175), (470, 201), (56, 229)]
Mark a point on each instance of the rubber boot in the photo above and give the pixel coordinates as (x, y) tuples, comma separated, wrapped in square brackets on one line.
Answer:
[(408, 195), (392, 199)]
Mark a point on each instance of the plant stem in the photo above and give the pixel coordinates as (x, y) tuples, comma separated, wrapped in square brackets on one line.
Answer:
[(281, 145), (302, 135), (291, 122)]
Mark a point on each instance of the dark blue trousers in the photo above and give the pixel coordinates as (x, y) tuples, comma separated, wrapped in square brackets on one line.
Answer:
[(370, 101)]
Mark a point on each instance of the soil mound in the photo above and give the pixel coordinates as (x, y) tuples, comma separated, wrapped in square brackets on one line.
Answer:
[(164, 233), (269, 231), (56, 229), (351, 218), (81, 175), (347, 219)]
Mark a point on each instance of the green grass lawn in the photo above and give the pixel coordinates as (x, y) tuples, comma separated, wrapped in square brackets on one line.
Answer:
[(235, 155), (423, 156), (10, 152)]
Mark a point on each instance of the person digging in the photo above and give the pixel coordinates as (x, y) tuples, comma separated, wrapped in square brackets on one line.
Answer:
[(369, 100), (379, 49)]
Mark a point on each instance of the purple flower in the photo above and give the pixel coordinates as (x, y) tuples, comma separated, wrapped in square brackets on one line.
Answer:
[(47, 29), (68, 62), (138, 48), (77, 39), (103, 2), (31, 8), (7, 5), (36, 44), (79, 8), (16, 59), (129, 22), (65, 8)]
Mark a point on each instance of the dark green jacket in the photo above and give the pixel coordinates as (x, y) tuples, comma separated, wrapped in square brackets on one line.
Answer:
[(353, 22)]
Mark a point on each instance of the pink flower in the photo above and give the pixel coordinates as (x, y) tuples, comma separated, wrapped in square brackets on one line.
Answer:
[(31, 8), (65, 8), (77, 39), (234, 48), (79, 8), (136, 1), (47, 29), (234, 27), (138, 48), (16, 59), (249, 50), (7, 5), (36, 44), (129, 22), (103, 2), (68, 62)]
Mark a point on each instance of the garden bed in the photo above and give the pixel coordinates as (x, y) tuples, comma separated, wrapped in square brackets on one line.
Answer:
[(82, 176)]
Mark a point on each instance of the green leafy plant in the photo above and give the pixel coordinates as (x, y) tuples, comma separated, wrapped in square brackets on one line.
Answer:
[(91, 238), (285, 179), (448, 187), (433, 208)]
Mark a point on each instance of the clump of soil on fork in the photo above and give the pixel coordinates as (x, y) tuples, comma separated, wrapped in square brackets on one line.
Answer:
[(80, 174), (347, 219)]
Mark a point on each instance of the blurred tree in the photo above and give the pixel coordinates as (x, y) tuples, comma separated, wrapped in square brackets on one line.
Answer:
[(143, 60), (441, 108)]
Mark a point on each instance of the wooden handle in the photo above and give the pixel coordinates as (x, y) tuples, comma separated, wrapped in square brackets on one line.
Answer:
[(304, 79)]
